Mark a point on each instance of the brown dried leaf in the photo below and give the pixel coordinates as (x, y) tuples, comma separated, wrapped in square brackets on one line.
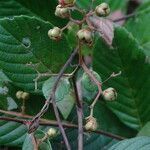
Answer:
[(104, 27)]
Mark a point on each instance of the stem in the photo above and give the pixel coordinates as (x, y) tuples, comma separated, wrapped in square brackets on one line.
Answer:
[(113, 75), (66, 125), (35, 121), (23, 106), (85, 68), (60, 124), (66, 26), (79, 114)]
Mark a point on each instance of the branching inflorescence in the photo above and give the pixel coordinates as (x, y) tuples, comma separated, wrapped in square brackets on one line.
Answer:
[(90, 79), (85, 36)]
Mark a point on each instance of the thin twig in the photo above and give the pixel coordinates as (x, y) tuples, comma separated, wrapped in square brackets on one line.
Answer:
[(51, 98), (85, 68), (113, 75), (79, 114), (66, 125)]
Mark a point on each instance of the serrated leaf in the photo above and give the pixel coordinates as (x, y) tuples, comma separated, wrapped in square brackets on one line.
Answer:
[(30, 142), (145, 131), (24, 40), (11, 103), (42, 9), (64, 95), (3, 102), (104, 27), (3, 96), (3, 77), (138, 143), (133, 85), (13, 134), (138, 26)]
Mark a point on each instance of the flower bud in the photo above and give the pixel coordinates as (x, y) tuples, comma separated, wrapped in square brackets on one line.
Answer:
[(91, 124), (85, 35), (61, 12), (55, 33), (52, 132), (25, 96), (19, 94), (102, 10), (67, 3), (109, 94)]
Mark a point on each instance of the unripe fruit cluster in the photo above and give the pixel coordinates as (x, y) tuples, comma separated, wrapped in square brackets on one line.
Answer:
[(102, 10), (22, 95), (109, 94), (55, 33)]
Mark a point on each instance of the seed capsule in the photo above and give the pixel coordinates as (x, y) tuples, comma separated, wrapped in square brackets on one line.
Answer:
[(109, 94), (67, 3), (55, 33), (91, 124), (102, 10), (62, 12), (25, 96), (19, 94), (52, 132), (85, 35)]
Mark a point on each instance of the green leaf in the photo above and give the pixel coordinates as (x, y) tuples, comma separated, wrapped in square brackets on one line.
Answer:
[(145, 131), (88, 87), (64, 95), (24, 40), (114, 5), (138, 143), (133, 85), (139, 27), (6, 99), (28, 143), (144, 5), (12, 134), (42, 9), (3, 102), (3, 77), (46, 145)]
